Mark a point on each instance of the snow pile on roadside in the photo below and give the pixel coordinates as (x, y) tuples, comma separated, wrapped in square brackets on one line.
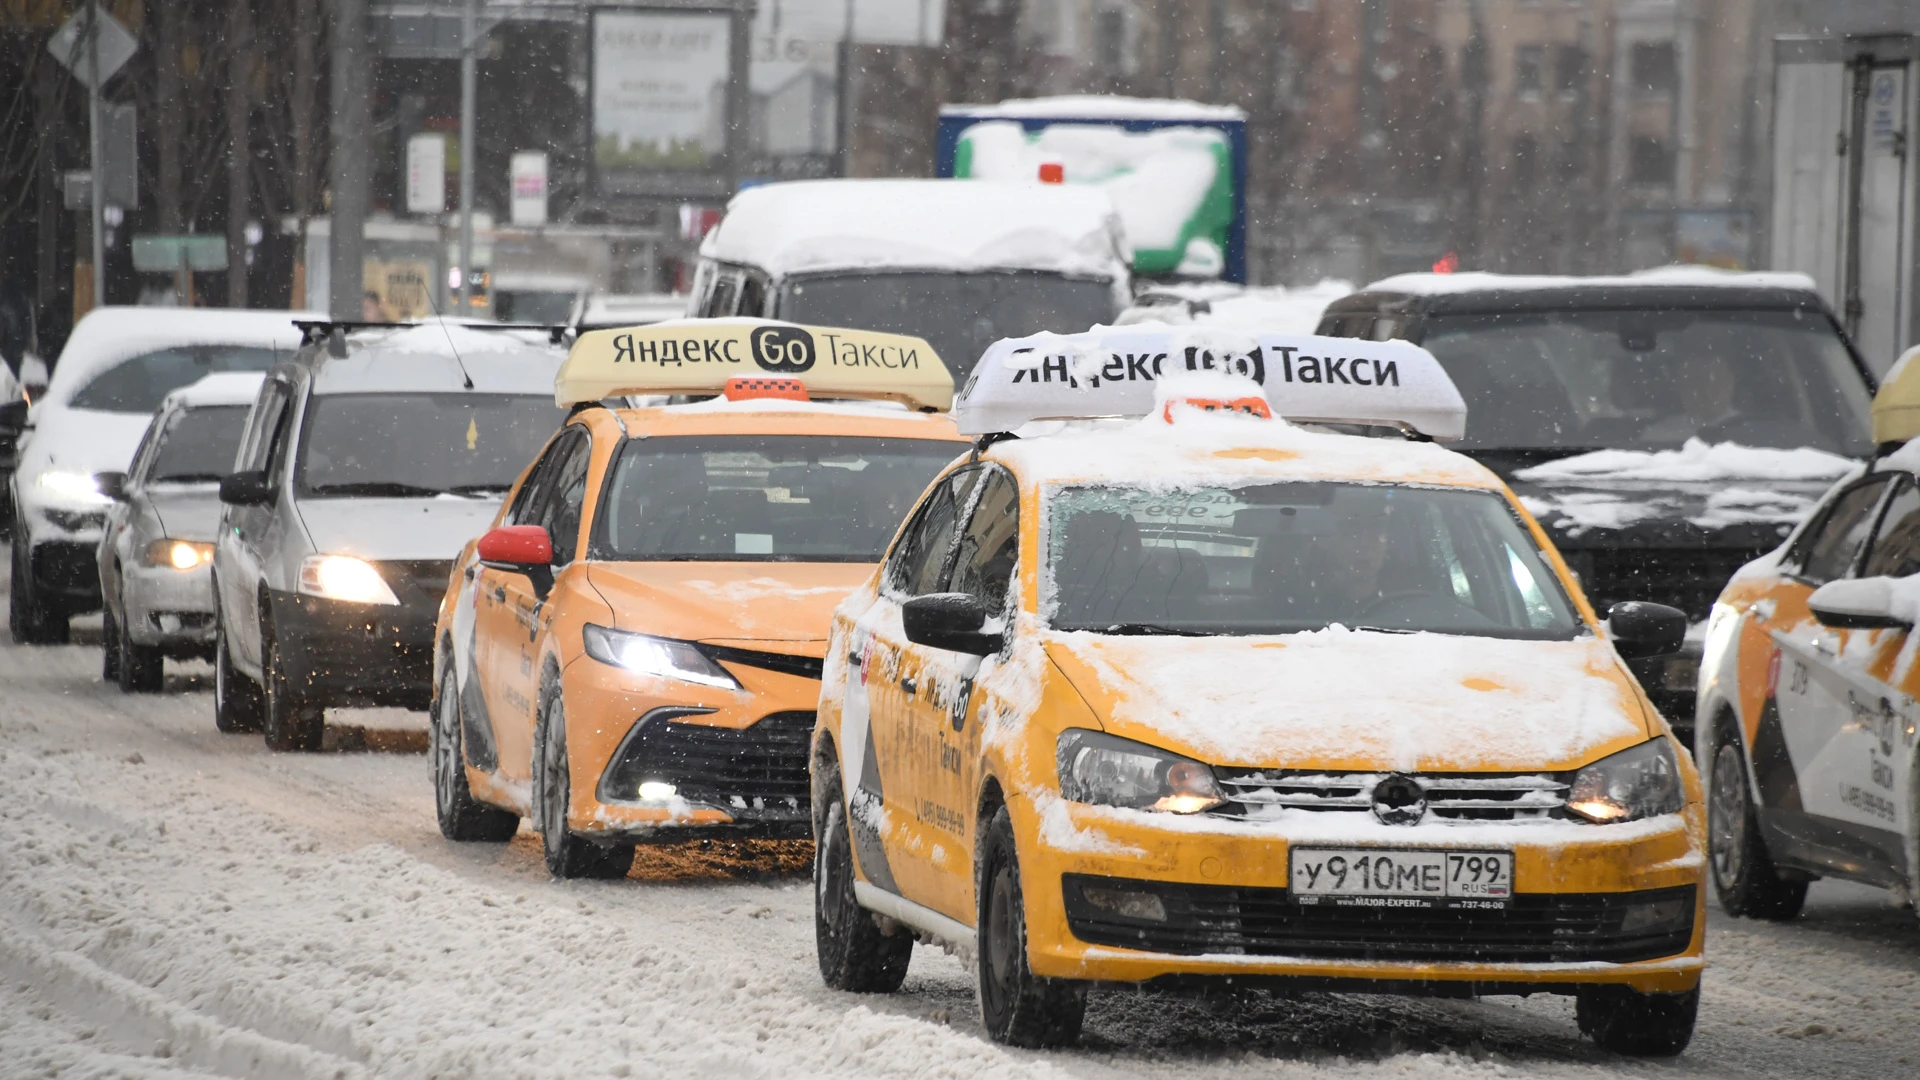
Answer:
[(1695, 462)]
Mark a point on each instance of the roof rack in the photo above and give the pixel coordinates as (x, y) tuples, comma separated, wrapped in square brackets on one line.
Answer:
[(316, 330)]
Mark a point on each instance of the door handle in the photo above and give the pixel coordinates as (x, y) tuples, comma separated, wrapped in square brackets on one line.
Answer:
[(907, 684), (499, 595), (469, 573)]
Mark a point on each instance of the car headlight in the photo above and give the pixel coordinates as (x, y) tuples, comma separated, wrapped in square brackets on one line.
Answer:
[(73, 486), (178, 554), (344, 578), (1108, 771), (648, 655), (1639, 782)]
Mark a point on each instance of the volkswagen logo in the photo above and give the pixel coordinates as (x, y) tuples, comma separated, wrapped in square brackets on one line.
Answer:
[(1399, 800)]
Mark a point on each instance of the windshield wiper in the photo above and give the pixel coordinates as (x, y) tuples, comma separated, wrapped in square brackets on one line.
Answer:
[(479, 489), (387, 488), (1141, 629), (188, 478), (1381, 630)]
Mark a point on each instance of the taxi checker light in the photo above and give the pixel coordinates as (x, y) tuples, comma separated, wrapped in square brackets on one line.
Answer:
[(1896, 408), (741, 388), (1112, 372), (705, 356), (1249, 406)]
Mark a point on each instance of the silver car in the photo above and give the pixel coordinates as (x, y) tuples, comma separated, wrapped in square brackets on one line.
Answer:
[(156, 552)]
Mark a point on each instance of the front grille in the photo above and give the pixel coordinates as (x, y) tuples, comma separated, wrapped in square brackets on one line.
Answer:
[(1535, 928), (1690, 579), (755, 773), (66, 567), (427, 575), (1253, 793)]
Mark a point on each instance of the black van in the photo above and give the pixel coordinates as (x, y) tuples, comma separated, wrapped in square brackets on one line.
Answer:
[(1665, 370)]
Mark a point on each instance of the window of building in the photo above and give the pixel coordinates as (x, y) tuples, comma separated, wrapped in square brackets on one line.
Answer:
[(1649, 160), (1655, 72), (1570, 70), (1526, 153), (1526, 70), (1110, 39)]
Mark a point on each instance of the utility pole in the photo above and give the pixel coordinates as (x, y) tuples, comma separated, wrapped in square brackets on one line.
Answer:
[(98, 194), (467, 149), (348, 165)]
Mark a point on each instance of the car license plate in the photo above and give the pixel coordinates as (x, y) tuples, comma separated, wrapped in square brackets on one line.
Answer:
[(1382, 877)]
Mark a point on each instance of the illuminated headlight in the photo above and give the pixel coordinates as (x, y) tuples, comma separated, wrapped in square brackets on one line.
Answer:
[(657, 791), (344, 578), (178, 554), (1639, 782), (73, 486), (1101, 769), (647, 655)]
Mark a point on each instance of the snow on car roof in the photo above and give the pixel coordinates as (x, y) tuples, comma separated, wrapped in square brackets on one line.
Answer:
[(219, 388), (108, 336), (1098, 107), (957, 225), (1660, 277), (421, 358)]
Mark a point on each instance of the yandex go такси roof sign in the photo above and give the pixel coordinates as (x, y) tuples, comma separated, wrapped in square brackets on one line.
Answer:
[(1113, 373), (698, 356)]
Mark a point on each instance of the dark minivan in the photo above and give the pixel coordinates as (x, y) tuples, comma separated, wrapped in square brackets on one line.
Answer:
[(1665, 427)]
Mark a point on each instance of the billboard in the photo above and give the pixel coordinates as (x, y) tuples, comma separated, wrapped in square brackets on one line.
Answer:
[(659, 100)]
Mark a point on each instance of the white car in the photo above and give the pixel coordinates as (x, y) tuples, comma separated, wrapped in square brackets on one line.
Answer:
[(118, 366)]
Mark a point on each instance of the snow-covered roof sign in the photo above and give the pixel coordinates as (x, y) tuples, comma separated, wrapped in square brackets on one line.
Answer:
[(702, 356), (1896, 408), (1099, 107), (813, 225), (1112, 373)]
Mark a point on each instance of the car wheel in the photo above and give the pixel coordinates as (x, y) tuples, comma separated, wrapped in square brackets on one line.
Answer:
[(1743, 872), (1625, 1021), (236, 699), (1018, 1007), (109, 646), (33, 621), (141, 668), (289, 722), (567, 855), (462, 817), (854, 953)]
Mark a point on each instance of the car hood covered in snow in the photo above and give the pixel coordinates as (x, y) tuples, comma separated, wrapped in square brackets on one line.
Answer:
[(729, 603), (408, 529), (80, 441), (1361, 701)]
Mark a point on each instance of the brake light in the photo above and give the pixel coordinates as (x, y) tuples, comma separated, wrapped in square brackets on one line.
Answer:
[(1247, 406), (747, 389)]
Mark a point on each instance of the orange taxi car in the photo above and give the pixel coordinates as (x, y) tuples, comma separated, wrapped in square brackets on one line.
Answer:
[(633, 652)]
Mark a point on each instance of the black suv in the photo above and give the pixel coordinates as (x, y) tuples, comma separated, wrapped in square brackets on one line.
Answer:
[(1669, 367)]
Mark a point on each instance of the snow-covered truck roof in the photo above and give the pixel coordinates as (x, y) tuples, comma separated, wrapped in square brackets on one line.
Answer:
[(1686, 277), (1100, 107), (109, 336), (954, 225)]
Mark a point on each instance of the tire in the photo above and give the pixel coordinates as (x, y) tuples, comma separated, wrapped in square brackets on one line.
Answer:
[(1744, 876), (141, 668), (237, 702), (462, 817), (1625, 1021), (567, 855), (31, 620), (1018, 1007), (290, 723), (109, 646), (854, 953)]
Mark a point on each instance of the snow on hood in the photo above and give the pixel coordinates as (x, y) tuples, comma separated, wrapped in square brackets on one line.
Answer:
[(427, 528), (186, 511), (80, 441), (1353, 700), (1712, 486), (957, 225), (1695, 462), (724, 602)]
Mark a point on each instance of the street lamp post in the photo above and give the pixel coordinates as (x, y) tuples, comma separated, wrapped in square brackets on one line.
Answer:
[(98, 194), (467, 148)]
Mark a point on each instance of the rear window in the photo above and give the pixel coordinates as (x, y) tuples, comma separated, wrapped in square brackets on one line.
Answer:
[(140, 384), (200, 445)]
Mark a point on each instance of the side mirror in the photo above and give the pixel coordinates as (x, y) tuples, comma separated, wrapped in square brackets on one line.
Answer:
[(1861, 604), (246, 489), (112, 484), (516, 547), (956, 622), (1641, 629)]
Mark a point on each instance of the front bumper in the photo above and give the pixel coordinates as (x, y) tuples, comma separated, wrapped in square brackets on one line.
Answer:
[(355, 654), (168, 608), (1230, 918), (66, 573)]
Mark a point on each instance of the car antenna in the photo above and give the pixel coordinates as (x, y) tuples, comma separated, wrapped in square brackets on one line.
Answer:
[(465, 379)]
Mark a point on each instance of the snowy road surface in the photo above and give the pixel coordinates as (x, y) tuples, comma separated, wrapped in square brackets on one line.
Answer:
[(179, 903)]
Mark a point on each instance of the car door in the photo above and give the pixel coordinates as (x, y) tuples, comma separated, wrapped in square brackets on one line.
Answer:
[(1801, 767), (116, 545), (884, 697), (244, 528)]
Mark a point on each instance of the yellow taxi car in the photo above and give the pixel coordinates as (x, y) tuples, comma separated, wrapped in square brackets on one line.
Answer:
[(1808, 687), (632, 653), (1217, 689)]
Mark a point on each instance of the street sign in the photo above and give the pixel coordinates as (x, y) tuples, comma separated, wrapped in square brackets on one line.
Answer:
[(70, 46), (160, 253), (528, 177), (427, 174)]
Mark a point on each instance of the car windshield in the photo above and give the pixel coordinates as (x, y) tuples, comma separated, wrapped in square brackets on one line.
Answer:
[(1289, 557), (140, 384), (1642, 380), (421, 444), (200, 445), (763, 498), (959, 314)]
